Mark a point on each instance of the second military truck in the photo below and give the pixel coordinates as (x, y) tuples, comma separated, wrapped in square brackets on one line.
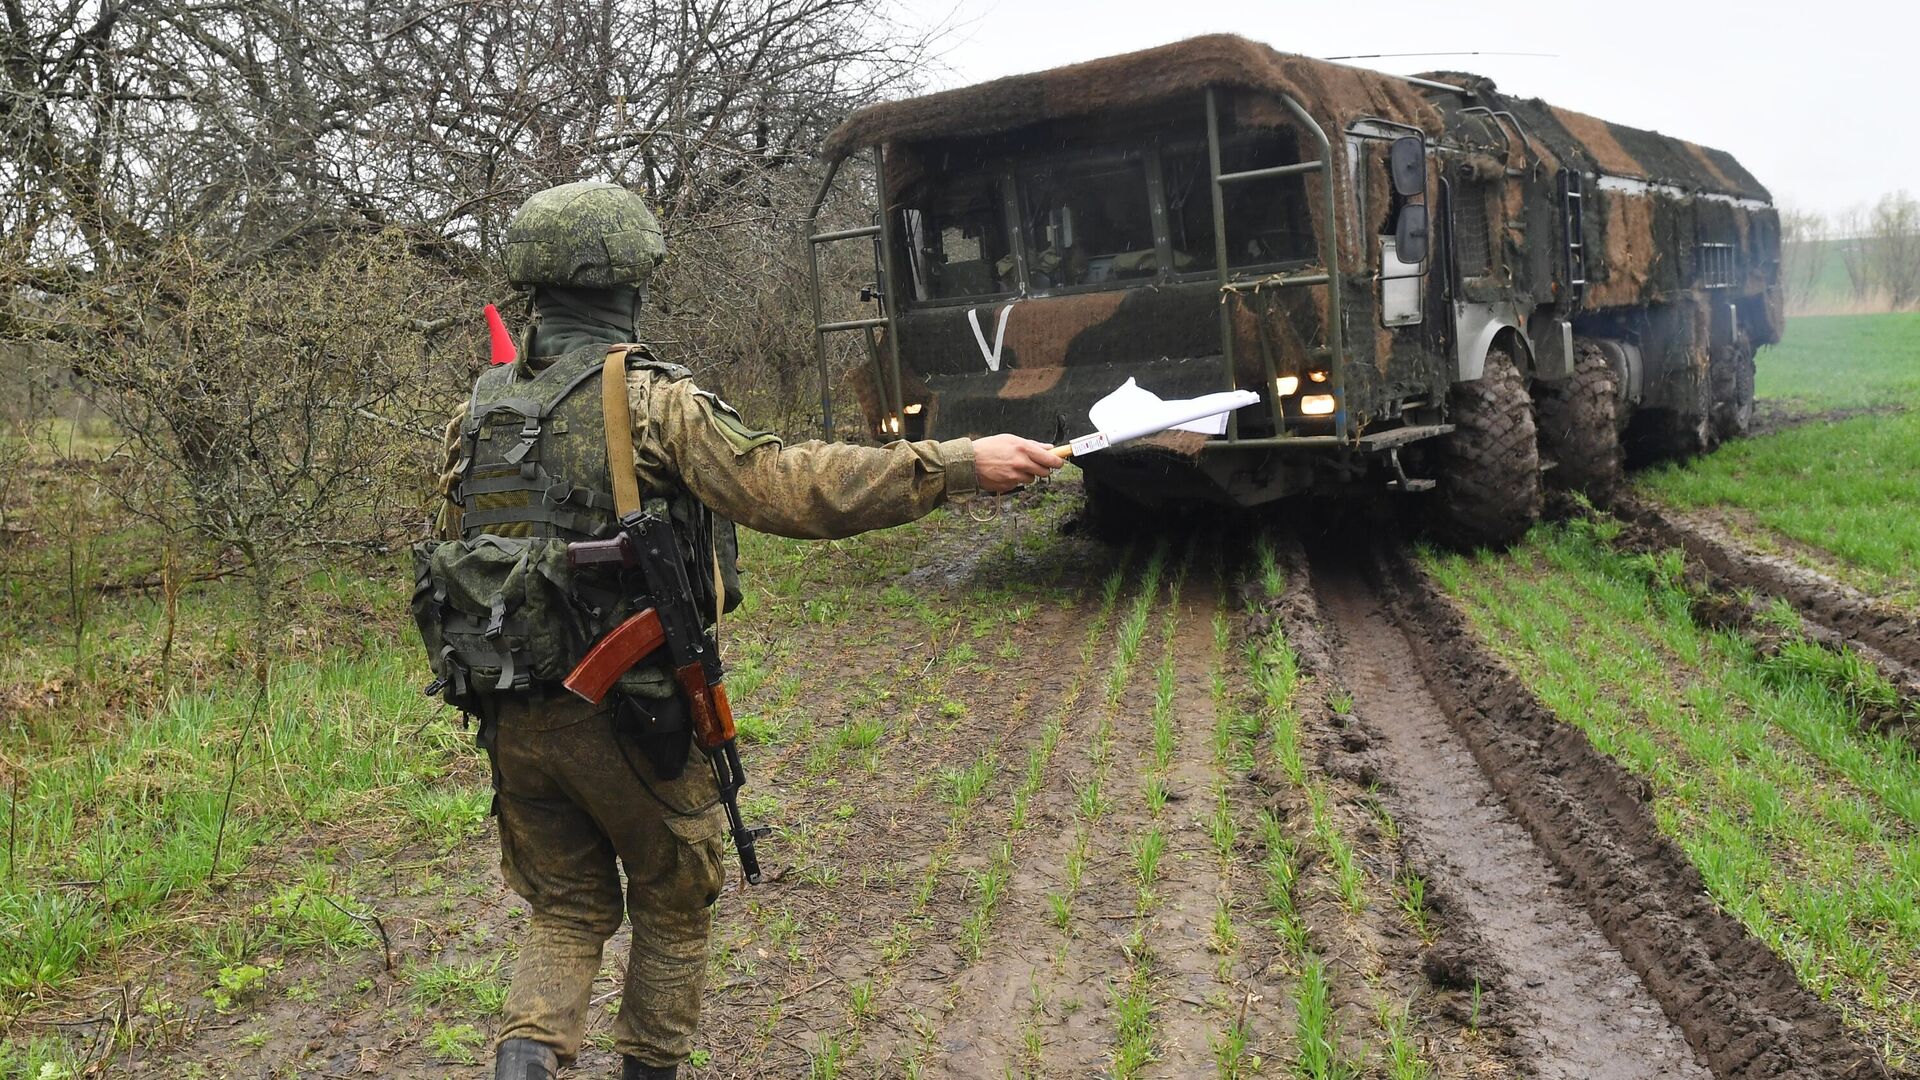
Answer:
[(1434, 287)]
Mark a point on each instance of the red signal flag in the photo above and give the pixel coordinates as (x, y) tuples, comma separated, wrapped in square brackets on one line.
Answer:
[(500, 342)]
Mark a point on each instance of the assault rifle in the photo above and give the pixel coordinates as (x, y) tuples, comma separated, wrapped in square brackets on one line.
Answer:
[(646, 541)]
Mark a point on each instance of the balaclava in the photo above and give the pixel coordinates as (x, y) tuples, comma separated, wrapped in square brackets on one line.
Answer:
[(566, 319)]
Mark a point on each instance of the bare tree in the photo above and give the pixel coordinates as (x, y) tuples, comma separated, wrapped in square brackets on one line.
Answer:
[(251, 224), (1851, 239), (1804, 251), (248, 125), (286, 410), (1895, 250)]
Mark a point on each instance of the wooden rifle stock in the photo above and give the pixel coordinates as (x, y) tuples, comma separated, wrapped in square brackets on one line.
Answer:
[(712, 714), (615, 654)]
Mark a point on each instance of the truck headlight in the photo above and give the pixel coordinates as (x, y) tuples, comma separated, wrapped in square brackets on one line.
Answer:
[(1317, 405)]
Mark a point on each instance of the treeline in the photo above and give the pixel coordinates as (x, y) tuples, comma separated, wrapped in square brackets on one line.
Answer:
[(256, 237), (1863, 259)]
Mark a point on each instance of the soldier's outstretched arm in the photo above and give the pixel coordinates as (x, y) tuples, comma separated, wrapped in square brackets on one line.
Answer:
[(814, 490)]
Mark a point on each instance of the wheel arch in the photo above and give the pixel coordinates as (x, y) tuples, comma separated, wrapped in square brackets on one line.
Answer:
[(1482, 327)]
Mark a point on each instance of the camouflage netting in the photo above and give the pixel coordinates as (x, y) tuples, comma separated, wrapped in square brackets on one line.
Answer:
[(1567, 138), (1135, 79), (1689, 233)]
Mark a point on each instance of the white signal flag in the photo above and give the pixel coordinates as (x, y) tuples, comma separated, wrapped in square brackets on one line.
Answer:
[(1134, 412)]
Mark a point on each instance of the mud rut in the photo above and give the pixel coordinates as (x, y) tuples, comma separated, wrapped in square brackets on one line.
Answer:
[(1837, 613), (1583, 1012), (1583, 940)]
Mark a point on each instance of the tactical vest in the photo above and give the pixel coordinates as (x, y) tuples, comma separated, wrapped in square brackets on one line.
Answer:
[(500, 609)]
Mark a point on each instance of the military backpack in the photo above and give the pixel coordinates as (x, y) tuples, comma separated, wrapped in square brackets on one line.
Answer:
[(499, 608)]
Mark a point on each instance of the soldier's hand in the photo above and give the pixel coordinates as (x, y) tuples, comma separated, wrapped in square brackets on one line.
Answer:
[(1004, 462)]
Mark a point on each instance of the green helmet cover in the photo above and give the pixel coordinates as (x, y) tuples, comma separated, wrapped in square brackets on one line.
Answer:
[(585, 235)]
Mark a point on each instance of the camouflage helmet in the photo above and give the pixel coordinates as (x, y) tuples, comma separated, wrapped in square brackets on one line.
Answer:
[(585, 235)]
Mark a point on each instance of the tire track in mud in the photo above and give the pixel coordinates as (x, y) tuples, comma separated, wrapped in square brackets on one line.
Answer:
[(1582, 1012), (1888, 638), (1738, 1005)]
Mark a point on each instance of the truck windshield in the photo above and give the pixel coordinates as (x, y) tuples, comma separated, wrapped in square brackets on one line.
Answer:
[(1267, 219), (1086, 224), (957, 241), (1088, 221)]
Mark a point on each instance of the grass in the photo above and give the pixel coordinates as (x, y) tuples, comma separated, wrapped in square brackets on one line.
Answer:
[(1846, 489), (140, 813), (473, 988), (1843, 489), (1801, 819), (1316, 1031), (1843, 361)]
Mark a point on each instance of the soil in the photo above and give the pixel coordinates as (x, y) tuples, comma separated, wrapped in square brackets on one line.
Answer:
[(1737, 1003), (1770, 417), (1582, 1012), (1568, 938)]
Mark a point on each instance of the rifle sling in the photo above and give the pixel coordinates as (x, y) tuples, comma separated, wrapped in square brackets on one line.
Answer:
[(617, 417)]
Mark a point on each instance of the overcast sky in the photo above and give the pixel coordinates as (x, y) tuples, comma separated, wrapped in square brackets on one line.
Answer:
[(1815, 98)]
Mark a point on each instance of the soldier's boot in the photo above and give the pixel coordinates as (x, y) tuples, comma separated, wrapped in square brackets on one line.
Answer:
[(524, 1059), (633, 1070)]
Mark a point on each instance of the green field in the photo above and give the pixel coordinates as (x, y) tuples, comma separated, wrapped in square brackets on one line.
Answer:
[(1843, 361), (1800, 815), (1800, 818), (1843, 494)]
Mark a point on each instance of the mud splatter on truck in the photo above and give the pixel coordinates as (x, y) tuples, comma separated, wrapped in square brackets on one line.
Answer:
[(1432, 285)]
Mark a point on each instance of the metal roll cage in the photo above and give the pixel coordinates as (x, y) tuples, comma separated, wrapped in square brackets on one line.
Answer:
[(1327, 275)]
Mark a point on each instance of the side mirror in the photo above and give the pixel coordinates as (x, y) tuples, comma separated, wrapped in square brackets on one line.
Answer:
[(1408, 163), (1410, 234)]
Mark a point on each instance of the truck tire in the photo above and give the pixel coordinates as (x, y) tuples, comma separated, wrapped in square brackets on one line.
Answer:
[(1675, 434), (1578, 420), (1733, 392), (1108, 515), (1489, 467)]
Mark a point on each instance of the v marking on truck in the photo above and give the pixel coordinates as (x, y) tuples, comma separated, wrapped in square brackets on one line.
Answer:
[(992, 355)]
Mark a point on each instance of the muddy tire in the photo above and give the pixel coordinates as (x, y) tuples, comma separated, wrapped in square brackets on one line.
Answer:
[(1109, 516), (1489, 467), (1733, 392), (1674, 434), (1577, 418)]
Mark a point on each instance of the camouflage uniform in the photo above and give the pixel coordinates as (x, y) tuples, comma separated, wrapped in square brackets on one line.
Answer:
[(572, 806)]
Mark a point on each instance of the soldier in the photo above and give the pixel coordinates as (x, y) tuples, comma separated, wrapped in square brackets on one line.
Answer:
[(583, 790)]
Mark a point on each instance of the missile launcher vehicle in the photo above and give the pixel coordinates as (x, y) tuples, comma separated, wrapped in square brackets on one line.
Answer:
[(1437, 289)]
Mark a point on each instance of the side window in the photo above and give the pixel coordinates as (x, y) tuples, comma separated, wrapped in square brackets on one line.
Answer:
[(1473, 228), (1268, 221), (956, 241), (1086, 224)]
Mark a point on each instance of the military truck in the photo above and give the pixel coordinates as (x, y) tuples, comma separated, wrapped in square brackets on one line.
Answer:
[(1436, 289)]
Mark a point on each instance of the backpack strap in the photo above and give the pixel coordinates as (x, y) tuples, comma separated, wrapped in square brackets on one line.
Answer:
[(617, 416)]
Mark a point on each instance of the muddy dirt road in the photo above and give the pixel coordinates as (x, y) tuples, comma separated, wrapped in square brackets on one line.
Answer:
[(1184, 808), (1583, 1012)]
